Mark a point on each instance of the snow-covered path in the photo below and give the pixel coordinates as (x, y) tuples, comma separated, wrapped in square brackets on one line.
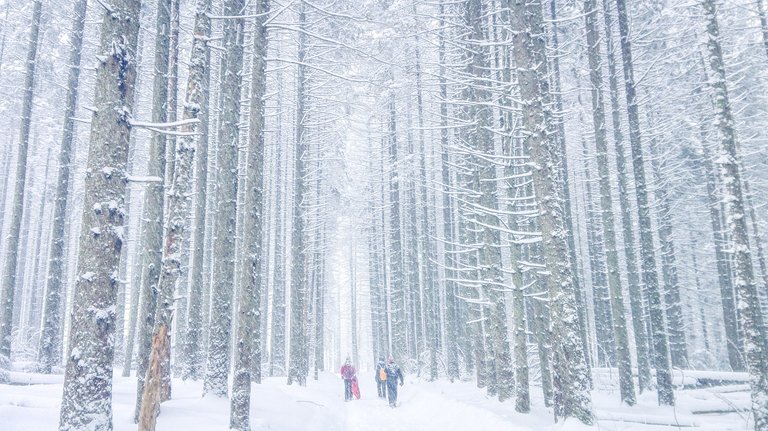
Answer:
[(425, 406)]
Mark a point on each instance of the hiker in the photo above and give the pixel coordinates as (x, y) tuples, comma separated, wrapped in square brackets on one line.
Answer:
[(393, 374), (348, 375), (381, 377)]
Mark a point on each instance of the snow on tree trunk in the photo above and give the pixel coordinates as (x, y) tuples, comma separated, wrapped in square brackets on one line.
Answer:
[(248, 339), (571, 374), (277, 349), (87, 398), (157, 386), (132, 241), (154, 203), (630, 255), (621, 338), (181, 288), (50, 343), (661, 359), (448, 258), (728, 161), (217, 365), (297, 360), (541, 47), (198, 85), (376, 277), (481, 142), (516, 176), (411, 251), (603, 316), (13, 236), (428, 270), (396, 289)]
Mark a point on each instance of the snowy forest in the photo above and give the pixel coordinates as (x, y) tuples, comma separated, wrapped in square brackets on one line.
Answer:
[(542, 214)]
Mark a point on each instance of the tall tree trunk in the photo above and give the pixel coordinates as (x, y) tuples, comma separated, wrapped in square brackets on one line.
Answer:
[(428, 286), (396, 289), (630, 255), (605, 343), (131, 236), (412, 283), (158, 385), (277, 349), (540, 44), (248, 340), (297, 360), (376, 279), (516, 175), (449, 261), (218, 362), (12, 246), (481, 140), (180, 294), (621, 338), (728, 162), (200, 69), (49, 349), (87, 399), (647, 252), (154, 205), (572, 398)]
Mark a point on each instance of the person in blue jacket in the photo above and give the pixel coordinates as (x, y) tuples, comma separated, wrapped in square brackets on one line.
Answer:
[(381, 378), (394, 373)]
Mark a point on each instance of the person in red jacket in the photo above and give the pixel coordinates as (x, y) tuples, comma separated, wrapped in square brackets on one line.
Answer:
[(348, 375)]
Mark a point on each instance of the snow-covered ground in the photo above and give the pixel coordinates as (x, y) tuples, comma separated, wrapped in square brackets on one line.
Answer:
[(32, 403)]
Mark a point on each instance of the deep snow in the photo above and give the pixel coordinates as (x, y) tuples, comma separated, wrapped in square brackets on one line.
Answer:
[(32, 403)]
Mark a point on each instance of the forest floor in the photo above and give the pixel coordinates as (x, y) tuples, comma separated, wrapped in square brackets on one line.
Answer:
[(32, 402)]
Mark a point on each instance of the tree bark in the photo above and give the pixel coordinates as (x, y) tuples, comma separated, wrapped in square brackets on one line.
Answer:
[(158, 384), (630, 255), (571, 374), (248, 340), (154, 204), (621, 338), (87, 399), (728, 161), (297, 360), (200, 69), (226, 197), (647, 252)]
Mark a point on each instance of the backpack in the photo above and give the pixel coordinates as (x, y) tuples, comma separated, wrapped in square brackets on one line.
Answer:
[(382, 374)]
